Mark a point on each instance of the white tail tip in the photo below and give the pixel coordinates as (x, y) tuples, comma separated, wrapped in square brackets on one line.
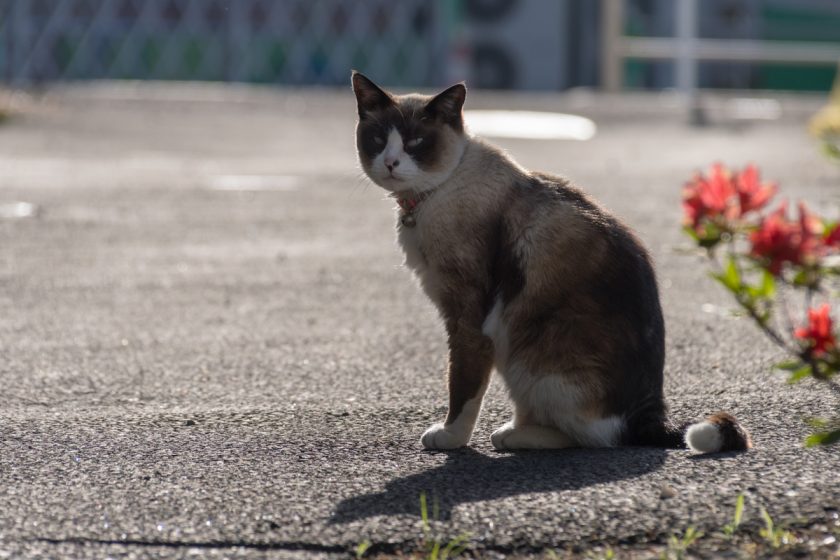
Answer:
[(704, 437)]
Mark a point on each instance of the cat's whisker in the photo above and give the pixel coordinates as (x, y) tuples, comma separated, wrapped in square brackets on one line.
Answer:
[(361, 183)]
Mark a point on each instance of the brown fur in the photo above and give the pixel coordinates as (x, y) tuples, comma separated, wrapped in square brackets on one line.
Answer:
[(735, 438)]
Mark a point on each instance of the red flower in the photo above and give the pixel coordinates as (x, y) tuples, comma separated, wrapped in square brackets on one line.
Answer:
[(709, 197), (811, 225), (779, 240), (724, 196), (818, 334), (832, 238), (752, 195)]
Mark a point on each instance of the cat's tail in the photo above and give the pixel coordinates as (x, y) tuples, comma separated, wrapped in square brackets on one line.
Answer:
[(717, 433)]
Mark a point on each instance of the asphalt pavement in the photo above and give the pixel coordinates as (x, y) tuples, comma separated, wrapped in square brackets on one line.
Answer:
[(208, 346)]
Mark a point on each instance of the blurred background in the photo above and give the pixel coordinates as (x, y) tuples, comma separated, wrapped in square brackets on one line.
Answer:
[(198, 284), (496, 44)]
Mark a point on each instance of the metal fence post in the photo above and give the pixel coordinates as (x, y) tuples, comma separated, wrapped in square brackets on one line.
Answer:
[(16, 23), (686, 60), (235, 52), (612, 63)]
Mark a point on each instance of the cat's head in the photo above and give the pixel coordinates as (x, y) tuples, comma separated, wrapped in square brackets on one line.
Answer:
[(409, 142)]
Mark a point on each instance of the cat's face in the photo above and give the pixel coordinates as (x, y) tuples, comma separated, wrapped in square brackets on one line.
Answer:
[(409, 142)]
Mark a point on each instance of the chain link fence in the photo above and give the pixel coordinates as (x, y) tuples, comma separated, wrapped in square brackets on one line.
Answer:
[(263, 41), (499, 44)]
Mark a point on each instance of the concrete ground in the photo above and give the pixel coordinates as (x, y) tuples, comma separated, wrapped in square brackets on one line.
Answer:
[(208, 346)]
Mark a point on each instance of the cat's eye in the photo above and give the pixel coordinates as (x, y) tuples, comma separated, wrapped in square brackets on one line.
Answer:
[(378, 140), (414, 142)]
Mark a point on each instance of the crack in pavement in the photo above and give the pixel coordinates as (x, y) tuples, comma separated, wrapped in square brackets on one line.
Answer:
[(282, 545)]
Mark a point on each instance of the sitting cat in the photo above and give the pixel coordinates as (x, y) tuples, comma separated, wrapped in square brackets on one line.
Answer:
[(531, 277)]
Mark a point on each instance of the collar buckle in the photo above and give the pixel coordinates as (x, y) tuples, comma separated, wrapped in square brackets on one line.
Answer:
[(409, 202)]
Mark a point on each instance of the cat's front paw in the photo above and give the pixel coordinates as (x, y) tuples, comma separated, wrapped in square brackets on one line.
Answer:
[(441, 437)]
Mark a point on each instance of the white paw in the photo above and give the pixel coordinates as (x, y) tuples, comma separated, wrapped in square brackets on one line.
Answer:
[(440, 437), (498, 437), (529, 437)]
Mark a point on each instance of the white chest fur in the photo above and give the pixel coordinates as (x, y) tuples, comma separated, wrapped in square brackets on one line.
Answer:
[(411, 241)]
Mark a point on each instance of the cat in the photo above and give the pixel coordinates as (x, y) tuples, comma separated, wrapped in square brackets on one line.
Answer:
[(532, 278)]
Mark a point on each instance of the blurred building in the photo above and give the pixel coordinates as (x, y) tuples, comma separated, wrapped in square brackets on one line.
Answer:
[(522, 44)]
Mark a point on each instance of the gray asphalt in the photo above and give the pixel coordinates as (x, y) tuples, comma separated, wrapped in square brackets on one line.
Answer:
[(246, 373)]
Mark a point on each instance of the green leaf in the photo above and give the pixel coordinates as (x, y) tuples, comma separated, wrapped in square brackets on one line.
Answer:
[(768, 285), (831, 149), (769, 527), (689, 231), (731, 273), (730, 528), (800, 278), (455, 547), (362, 548), (739, 510), (823, 438), (424, 511), (789, 365), (691, 535), (763, 291), (817, 423), (722, 279), (710, 237), (435, 552), (799, 374), (806, 278), (730, 278)]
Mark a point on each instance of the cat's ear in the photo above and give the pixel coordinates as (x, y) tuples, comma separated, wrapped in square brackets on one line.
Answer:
[(369, 97), (448, 105)]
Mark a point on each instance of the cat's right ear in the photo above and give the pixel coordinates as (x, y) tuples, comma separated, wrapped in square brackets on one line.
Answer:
[(369, 97)]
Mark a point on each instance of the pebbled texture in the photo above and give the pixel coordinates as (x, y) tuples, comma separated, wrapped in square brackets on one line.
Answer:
[(248, 372)]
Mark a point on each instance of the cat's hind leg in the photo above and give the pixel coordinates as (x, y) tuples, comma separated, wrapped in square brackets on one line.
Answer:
[(549, 413), (523, 432), (510, 436)]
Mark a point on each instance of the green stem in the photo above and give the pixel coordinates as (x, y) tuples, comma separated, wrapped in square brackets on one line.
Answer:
[(788, 317), (769, 331), (746, 306)]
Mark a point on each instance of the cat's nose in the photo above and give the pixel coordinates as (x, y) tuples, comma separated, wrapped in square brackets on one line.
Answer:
[(391, 163)]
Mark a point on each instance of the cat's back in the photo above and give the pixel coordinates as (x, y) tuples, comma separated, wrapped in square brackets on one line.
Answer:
[(558, 232), (491, 182)]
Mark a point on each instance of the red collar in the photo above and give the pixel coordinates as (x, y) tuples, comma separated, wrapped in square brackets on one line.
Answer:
[(410, 200)]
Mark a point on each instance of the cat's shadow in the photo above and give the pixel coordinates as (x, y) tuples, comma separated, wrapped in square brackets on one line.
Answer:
[(470, 476)]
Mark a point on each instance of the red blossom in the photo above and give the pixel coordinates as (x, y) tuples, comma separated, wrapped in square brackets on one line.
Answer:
[(724, 196), (832, 238), (811, 224), (818, 333), (752, 194), (709, 197), (779, 240)]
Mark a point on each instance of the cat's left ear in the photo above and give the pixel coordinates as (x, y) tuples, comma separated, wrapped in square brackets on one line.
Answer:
[(448, 105), (369, 97)]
